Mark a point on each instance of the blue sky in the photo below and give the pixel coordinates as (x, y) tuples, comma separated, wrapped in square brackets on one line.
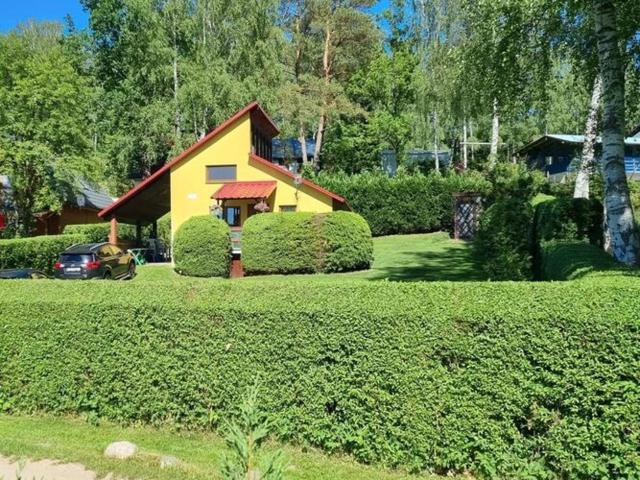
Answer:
[(16, 11)]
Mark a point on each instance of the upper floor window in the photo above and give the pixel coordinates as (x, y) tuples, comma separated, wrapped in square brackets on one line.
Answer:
[(221, 173)]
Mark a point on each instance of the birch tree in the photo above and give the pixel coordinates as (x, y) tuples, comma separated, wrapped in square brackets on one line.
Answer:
[(625, 242), (588, 161)]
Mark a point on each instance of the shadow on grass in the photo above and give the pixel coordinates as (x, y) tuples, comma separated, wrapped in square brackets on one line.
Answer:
[(454, 262)]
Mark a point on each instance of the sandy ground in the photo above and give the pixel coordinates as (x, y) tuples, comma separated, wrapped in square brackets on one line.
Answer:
[(43, 470)]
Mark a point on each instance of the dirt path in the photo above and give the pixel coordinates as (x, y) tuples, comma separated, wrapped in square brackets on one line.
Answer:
[(43, 470)]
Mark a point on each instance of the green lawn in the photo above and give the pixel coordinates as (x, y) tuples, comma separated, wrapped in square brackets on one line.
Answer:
[(426, 257), (200, 454)]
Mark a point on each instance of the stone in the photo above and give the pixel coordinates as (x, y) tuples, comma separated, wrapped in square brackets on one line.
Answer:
[(121, 450), (168, 461)]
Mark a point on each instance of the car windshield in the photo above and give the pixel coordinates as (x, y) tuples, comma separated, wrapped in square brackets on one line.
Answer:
[(75, 258)]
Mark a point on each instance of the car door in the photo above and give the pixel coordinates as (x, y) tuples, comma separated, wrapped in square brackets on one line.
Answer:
[(108, 260), (120, 261)]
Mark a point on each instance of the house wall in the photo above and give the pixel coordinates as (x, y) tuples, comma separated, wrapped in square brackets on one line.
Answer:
[(191, 194), (55, 223)]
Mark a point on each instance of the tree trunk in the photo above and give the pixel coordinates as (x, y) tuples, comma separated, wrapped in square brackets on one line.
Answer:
[(587, 162), (625, 243), (495, 134), (178, 128), (303, 144), (436, 157), (465, 155), (326, 67)]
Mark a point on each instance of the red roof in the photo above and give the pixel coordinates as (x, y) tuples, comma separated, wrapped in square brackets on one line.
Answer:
[(253, 108), (305, 182), (236, 190)]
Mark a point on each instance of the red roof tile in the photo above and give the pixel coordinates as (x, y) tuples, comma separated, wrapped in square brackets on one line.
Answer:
[(237, 190)]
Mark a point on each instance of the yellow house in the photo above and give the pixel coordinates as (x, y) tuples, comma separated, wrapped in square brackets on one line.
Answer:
[(227, 173)]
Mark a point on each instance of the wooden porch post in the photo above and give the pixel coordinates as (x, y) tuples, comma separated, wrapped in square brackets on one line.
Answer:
[(138, 233), (154, 229), (113, 231)]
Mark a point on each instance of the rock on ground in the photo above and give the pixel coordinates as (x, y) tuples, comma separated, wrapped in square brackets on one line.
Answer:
[(168, 461), (121, 450)]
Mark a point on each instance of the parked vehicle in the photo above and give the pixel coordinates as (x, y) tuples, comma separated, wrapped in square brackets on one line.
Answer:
[(95, 260), (21, 273)]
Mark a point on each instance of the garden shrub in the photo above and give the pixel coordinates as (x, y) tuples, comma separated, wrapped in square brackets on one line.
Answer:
[(572, 260), (405, 203), (35, 252), (346, 242), (202, 247), (99, 232), (489, 379), (569, 219), (502, 241), (303, 242)]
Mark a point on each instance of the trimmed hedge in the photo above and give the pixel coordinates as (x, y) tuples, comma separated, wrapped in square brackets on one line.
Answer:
[(502, 380), (405, 203), (569, 219), (502, 241), (202, 247), (572, 260), (99, 232), (346, 242), (35, 252), (302, 242)]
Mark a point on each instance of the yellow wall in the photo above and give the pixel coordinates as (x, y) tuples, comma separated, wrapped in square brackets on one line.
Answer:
[(191, 194)]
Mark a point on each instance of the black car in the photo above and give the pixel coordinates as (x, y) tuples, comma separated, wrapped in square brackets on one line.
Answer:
[(21, 274), (95, 260)]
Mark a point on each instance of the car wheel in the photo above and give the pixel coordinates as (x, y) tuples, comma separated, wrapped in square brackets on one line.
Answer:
[(132, 270)]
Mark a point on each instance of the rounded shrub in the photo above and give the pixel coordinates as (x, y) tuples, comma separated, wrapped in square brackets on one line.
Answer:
[(502, 242), (202, 247), (346, 242), (302, 242)]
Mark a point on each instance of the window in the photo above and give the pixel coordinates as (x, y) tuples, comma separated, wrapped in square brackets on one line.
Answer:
[(231, 215), (287, 208), (221, 173)]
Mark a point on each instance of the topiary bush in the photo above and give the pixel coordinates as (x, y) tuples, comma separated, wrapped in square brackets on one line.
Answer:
[(502, 241), (202, 247), (488, 380), (303, 242), (572, 260), (36, 252), (346, 242)]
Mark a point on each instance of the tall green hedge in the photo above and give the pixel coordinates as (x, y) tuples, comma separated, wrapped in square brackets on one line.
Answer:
[(99, 232), (35, 252), (573, 260), (500, 380), (569, 219), (302, 242), (202, 247), (405, 203), (502, 240)]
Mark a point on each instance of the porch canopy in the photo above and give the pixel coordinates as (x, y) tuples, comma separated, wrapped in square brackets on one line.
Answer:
[(245, 190)]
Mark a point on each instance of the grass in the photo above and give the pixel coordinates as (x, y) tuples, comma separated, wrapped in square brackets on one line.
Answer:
[(407, 258), (200, 454)]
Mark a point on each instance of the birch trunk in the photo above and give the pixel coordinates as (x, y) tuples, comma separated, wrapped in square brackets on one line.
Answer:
[(495, 134), (625, 243), (465, 157), (587, 163), (303, 145), (436, 156), (178, 128)]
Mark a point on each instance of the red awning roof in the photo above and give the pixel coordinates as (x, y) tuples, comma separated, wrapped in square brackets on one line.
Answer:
[(237, 190)]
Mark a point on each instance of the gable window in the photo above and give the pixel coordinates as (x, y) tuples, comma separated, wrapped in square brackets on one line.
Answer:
[(231, 215), (287, 208), (221, 173)]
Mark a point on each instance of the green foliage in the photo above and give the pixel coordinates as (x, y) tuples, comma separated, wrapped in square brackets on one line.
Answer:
[(488, 378), (99, 232), (202, 247), (346, 242), (35, 252), (304, 242), (510, 180), (405, 203), (573, 259), (569, 219), (245, 438), (502, 241)]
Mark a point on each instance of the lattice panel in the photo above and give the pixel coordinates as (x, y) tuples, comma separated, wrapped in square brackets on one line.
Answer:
[(466, 216)]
